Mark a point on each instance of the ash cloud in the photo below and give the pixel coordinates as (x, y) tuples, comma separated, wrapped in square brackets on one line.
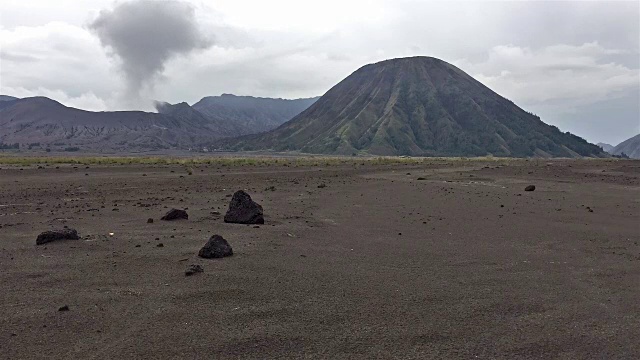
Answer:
[(144, 35)]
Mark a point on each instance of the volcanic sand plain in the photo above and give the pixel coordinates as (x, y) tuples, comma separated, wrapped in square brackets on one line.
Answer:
[(436, 258)]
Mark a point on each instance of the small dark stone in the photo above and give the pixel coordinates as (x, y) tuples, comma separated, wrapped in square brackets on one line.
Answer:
[(530, 188), (160, 245), (175, 214), (149, 221), (193, 269), (421, 178), (55, 235), (64, 308), (216, 247), (322, 186), (243, 210)]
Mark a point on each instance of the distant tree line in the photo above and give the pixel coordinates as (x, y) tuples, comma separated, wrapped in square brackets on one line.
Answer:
[(4, 146)]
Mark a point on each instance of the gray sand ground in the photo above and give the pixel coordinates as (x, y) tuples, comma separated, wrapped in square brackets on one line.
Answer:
[(376, 265)]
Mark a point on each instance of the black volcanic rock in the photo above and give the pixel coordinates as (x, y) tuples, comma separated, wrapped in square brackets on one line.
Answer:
[(55, 235), (216, 247), (417, 106), (530, 188), (193, 269), (175, 214), (243, 210)]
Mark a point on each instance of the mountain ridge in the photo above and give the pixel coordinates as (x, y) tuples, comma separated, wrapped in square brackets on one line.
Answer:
[(630, 147), (40, 120), (46, 121), (606, 147), (7, 98), (419, 106), (252, 114)]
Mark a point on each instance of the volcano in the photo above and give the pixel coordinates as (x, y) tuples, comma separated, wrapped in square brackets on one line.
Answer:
[(419, 106)]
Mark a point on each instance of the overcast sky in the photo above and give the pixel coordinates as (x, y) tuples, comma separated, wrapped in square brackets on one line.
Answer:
[(576, 64)]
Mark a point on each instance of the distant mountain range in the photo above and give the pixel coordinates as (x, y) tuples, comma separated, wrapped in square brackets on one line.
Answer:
[(49, 124), (629, 147), (7, 98), (418, 106), (606, 147), (251, 114), (44, 123)]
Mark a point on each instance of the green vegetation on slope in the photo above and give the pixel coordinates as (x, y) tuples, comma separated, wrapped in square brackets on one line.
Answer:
[(421, 107)]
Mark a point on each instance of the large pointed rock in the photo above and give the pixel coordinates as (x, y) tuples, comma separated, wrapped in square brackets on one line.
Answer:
[(55, 235), (216, 247), (243, 210), (175, 214)]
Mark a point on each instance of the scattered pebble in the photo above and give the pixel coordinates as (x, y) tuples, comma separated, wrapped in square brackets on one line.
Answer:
[(193, 269)]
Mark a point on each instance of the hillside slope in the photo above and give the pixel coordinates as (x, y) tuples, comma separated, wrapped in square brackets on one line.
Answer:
[(45, 121), (606, 147), (417, 106), (53, 125), (249, 114), (631, 147), (184, 112)]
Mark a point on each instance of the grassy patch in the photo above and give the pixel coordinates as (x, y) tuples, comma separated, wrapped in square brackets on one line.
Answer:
[(239, 161)]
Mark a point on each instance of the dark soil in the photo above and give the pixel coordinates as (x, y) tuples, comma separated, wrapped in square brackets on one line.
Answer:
[(328, 276)]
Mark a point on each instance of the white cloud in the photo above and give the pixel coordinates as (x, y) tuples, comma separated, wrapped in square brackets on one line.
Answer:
[(553, 58), (307, 16), (59, 60), (569, 76), (87, 101)]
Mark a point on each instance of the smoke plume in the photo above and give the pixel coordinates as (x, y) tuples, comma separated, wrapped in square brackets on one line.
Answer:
[(144, 35)]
